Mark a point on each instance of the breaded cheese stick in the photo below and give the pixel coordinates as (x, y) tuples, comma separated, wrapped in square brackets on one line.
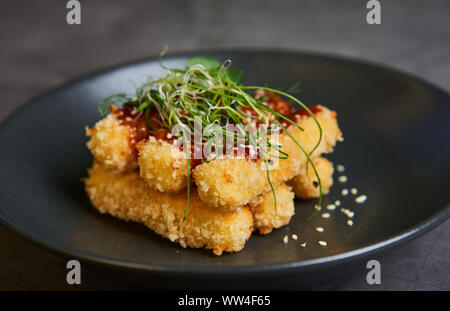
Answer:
[(109, 144), (162, 165), (305, 184), (128, 197), (229, 183), (266, 217)]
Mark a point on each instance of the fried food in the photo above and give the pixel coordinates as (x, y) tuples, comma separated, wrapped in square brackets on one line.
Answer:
[(162, 166), (229, 183), (305, 184), (266, 216), (128, 197), (140, 172), (223, 183), (109, 144)]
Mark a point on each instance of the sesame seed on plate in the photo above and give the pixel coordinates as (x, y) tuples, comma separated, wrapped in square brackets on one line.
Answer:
[(317, 207), (361, 199), (320, 229), (342, 178), (285, 239), (337, 203), (325, 215), (331, 207), (303, 244), (349, 223), (294, 237), (340, 168), (347, 212), (344, 192), (322, 243), (354, 191)]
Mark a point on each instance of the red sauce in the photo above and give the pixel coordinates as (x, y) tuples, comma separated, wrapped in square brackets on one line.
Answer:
[(135, 121), (193, 161), (139, 130), (137, 124), (162, 134), (278, 104), (249, 111), (303, 113), (281, 106)]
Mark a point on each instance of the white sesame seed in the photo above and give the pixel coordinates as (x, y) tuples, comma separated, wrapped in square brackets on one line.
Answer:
[(349, 223), (340, 168), (331, 207), (294, 237), (325, 215), (337, 203), (285, 239), (342, 178), (303, 244), (322, 243), (344, 192), (320, 229), (361, 199), (354, 191), (347, 212), (317, 207), (350, 214)]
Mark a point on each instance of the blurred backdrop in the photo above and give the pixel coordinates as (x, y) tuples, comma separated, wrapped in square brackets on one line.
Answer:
[(39, 50)]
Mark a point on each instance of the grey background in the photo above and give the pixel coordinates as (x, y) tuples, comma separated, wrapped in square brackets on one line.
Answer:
[(39, 51)]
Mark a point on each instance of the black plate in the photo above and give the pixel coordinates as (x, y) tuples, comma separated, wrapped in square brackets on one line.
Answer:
[(396, 151)]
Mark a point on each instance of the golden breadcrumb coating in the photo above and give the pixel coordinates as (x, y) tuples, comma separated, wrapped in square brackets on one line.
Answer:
[(128, 197), (110, 146), (162, 165), (229, 183), (224, 183), (306, 188), (266, 217)]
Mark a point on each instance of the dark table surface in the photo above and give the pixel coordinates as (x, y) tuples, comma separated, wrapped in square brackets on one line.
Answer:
[(39, 50)]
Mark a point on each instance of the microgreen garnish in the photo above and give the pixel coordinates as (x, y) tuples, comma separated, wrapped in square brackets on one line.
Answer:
[(104, 104), (211, 64), (210, 92)]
